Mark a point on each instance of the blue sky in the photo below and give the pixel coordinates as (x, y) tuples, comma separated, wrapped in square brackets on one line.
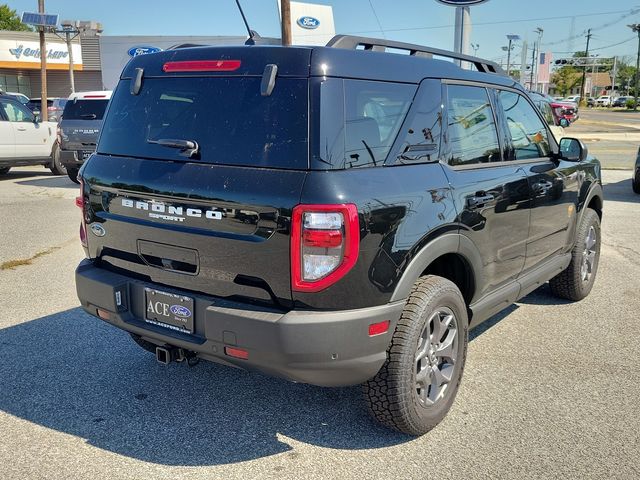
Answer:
[(419, 21)]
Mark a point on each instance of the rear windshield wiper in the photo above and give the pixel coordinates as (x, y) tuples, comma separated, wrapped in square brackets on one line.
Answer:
[(90, 116), (188, 148)]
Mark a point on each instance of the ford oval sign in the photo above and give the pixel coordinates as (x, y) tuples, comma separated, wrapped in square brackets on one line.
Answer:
[(135, 51), (461, 3), (98, 230), (309, 23), (180, 311)]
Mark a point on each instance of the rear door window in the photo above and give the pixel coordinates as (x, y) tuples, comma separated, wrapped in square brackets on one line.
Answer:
[(227, 117), (80, 109)]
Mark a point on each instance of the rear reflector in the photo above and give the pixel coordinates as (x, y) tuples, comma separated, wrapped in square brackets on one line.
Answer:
[(79, 202), (103, 314), (202, 66), (322, 238), (379, 328), (236, 353)]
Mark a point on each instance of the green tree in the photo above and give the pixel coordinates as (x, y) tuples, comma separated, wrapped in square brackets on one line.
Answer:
[(9, 20), (626, 77), (565, 79)]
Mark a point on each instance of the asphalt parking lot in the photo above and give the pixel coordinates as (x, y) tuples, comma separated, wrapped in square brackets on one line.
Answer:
[(550, 388)]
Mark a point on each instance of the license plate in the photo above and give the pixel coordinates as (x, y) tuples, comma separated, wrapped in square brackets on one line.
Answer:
[(85, 155), (169, 310)]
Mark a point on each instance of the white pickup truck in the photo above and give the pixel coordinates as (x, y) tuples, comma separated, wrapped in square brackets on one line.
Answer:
[(25, 140)]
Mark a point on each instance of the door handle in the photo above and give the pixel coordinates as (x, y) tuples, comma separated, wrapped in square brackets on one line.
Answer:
[(478, 201), (21, 129)]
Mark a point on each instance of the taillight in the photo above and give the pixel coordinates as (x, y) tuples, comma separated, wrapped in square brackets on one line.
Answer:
[(83, 223), (202, 66), (325, 242)]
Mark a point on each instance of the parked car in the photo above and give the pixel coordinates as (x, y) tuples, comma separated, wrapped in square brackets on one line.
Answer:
[(552, 113), (603, 101), (573, 99), (22, 98), (55, 106), (621, 101), (591, 102), (330, 215), (24, 139), (561, 109), (79, 128)]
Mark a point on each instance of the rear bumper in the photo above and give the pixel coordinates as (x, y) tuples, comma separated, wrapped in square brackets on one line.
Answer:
[(71, 158), (321, 348)]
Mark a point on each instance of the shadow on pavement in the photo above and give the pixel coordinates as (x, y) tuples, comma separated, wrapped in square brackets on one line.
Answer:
[(620, 192), (36, 172), (72, 373), (54, 181)]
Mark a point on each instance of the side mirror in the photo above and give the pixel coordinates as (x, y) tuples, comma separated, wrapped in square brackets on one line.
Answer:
[(572, 150), (564, 123)]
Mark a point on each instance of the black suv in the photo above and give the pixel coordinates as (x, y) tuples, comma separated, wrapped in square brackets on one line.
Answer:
[(331, 215)]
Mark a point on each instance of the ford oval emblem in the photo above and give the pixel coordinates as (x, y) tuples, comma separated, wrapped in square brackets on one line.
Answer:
[(135, 51), (98, 230), (309, 23), (180, 311)]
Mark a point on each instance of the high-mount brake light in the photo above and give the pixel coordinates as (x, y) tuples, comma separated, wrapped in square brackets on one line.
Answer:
[(202, 66), (325, 242), (94, 96)]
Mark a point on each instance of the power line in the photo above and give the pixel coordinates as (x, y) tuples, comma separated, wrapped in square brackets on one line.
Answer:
[(377, 19), (605, 47), (502, 22)]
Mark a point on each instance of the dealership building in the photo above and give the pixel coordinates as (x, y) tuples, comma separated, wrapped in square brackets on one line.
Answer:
[(20, 63), (99, 59)]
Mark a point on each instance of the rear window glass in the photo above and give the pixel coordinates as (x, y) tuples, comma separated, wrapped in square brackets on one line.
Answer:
[(359, 121), (228, 119), (84, 109)]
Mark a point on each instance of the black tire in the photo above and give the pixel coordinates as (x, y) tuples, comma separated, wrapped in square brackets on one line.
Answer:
[(73, 174), (393, 396), (576, 281), (56, 167), (635, 183), (148, 346), (4, 170)]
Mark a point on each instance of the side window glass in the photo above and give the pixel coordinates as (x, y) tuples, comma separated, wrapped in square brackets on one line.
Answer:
[(16, 112), (528, 133), (472, 133), (423, 130), (374, 112)]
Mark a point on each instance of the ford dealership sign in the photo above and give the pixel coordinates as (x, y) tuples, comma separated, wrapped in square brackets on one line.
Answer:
[(309, 23), (135, 51)]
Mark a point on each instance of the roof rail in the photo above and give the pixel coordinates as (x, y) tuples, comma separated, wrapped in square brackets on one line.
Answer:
[(351, 42)]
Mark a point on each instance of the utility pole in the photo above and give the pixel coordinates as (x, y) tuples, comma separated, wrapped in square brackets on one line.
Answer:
[(43, 68), (539, 31), (583, 100), (636, 28), (511, 39), (533, 64), (70, 31), (285, 17)]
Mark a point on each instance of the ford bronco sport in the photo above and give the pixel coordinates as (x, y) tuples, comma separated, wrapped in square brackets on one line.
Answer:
[(331, 215)]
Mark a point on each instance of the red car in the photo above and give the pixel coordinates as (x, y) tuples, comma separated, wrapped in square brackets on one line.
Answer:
[(560, 109)]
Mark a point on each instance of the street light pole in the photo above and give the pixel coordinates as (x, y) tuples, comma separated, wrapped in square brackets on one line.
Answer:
[(43, 68), (636, 28)]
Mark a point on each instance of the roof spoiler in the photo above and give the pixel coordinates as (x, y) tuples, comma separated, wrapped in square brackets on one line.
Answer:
[(351, 42)]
